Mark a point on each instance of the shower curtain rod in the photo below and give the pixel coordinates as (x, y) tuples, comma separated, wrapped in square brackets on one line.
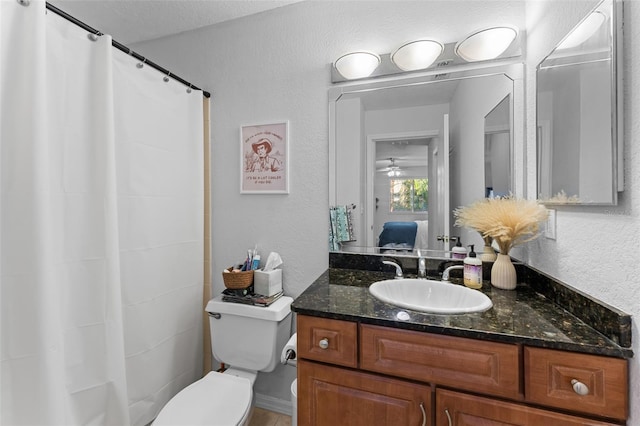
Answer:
[(123, 48)]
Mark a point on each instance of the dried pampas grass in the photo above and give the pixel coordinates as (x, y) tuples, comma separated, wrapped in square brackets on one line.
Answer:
[(509, 221), (562, 198)]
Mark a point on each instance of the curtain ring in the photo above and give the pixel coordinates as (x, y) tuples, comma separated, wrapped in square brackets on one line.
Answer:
[(189, 88), (24, 2), (92, 36), (166, 77), (141, 64)]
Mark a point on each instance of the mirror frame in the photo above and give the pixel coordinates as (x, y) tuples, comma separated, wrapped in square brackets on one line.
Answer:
[(512, 69), (617, 108)]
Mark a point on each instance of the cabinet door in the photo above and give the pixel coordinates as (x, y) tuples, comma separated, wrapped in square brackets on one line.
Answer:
[(335, 396), (459, 409)]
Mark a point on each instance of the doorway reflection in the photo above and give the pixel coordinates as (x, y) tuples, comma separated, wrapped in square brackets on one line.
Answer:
[(401, 193)]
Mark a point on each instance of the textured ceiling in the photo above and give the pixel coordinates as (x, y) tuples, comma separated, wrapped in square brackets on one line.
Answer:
[(131, 21)]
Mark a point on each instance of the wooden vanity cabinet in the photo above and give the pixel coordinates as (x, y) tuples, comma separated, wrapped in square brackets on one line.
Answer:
[(360, 374)]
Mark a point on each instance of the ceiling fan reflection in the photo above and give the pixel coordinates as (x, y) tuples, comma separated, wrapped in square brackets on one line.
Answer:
[(392, 169)]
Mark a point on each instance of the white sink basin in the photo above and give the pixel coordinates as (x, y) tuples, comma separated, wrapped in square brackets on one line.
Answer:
[(430, 296)]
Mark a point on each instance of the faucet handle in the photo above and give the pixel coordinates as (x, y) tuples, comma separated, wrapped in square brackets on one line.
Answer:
[(398, 268)]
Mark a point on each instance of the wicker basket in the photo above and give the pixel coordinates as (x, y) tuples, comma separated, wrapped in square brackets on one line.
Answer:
[(237, 280)]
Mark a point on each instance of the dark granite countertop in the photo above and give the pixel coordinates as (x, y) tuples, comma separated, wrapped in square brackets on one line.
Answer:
[(520, 316)]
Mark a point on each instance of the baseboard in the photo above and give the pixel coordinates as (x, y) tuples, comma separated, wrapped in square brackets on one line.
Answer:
[(270, 403)]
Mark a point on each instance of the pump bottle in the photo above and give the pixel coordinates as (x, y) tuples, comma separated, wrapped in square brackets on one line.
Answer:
[(472, 270), (458, 252)]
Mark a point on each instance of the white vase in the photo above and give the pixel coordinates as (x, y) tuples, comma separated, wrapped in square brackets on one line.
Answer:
[(488, 254), (503, 273)]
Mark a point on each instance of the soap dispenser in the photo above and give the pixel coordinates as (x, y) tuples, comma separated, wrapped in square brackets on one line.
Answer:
[(472, 270), (458, 252)]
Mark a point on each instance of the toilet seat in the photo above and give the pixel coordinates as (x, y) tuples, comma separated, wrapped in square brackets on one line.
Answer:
[(216, 399)]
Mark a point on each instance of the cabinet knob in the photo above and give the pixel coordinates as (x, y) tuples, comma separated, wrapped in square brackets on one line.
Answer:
[(579, 387), (324, 343)]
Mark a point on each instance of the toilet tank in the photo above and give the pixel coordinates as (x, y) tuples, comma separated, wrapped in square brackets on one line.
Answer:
[(249, 337)]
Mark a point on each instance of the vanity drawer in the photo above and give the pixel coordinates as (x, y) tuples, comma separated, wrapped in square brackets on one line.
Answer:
[(328, 340), (474, 365), (549, 375)]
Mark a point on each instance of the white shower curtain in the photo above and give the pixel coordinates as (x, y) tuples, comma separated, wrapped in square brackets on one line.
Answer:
[(101, 228), (159, 130)]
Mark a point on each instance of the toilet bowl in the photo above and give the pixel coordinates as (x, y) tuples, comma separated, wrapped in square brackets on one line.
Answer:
[(218, 399), (249, 339)]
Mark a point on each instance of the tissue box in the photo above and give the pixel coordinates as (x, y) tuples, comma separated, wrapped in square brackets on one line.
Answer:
[(267, 283)]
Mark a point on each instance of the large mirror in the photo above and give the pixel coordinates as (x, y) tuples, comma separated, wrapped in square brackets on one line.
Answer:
[(579, 128), (405, 152)]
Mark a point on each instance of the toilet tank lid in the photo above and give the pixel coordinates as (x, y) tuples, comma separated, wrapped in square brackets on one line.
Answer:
[(277, 311)]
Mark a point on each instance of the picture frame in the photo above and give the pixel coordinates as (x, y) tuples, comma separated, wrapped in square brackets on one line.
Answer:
[(264, 158)]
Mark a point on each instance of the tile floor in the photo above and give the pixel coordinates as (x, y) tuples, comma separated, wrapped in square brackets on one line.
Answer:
[(262, 417)]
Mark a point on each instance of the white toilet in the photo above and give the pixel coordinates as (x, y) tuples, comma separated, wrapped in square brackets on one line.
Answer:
[(247, 339)]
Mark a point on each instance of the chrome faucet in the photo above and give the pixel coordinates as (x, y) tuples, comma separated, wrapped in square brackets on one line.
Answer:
[(445, 274), (399, 275), (422, 266)]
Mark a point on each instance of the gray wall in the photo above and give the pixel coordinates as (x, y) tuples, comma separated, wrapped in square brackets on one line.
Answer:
[(275, 65)]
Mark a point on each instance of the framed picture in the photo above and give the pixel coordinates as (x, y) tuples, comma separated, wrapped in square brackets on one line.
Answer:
[(264, 156)]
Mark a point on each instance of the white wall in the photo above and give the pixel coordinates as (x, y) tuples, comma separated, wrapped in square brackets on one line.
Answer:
[(596, 248), (350, 161), (276, 66), (473, 100)]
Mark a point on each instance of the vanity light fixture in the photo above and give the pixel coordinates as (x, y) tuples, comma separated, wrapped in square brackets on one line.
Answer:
[(425, 55), (486, 44), (584, 31), (357, 64), (417, 55)]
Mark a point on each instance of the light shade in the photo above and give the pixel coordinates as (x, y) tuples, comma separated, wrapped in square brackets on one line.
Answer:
[(486, 44), (357, 64), (584, 31), (417, 55)]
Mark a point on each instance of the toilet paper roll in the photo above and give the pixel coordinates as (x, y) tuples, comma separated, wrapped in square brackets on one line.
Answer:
[(289, 352)]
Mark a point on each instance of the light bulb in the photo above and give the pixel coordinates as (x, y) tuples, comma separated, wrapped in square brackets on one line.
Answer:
[(486, 44), (417, 55), (357, 64)]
